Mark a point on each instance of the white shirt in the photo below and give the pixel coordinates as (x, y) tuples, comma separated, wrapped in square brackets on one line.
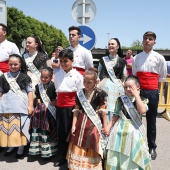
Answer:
[(150, 62), (68, 82), (82, 57), (7, 48)]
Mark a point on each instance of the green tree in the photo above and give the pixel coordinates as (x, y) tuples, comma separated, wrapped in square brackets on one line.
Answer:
[(21, 26), (136, 45)]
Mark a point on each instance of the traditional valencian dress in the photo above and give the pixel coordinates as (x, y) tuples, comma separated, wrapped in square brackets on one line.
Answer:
[(14, 118), (43, 127), (35, 62), (85, 150), (118, 65), (127, 147)]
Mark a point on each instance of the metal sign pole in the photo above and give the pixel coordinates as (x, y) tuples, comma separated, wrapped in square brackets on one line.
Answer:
[(84, 12)]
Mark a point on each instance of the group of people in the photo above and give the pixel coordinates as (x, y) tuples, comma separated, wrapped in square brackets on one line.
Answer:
[(88, 118)]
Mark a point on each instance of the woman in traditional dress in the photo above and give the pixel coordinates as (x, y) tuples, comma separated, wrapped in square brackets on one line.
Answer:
[(35, 59), (116, 61), (112, 69), (16, 104), (127, 145), (43, 127), (85, 149)]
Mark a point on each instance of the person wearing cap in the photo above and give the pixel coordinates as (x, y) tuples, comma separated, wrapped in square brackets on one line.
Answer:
[(6, 48), (150, 67), (82, 57)]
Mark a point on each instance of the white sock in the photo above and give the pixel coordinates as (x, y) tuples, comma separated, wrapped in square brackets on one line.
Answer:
[(10, 149), (20, 150)]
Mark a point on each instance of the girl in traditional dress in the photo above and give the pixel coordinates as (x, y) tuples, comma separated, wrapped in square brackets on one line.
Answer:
[(35, 59), (127, 146), (43, 127), (16, 104), (85, 150)]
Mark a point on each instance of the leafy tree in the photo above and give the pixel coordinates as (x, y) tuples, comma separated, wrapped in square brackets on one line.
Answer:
[(21, 26), (136, 45)]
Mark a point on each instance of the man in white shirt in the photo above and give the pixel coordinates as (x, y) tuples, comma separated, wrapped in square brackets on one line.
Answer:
[(150, 67), (82, 57), (6, 48)]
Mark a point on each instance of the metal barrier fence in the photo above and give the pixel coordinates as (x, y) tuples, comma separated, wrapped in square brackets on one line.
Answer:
[(164, 98)]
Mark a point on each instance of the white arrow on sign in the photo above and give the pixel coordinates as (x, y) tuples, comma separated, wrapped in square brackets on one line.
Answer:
[(85, 39)]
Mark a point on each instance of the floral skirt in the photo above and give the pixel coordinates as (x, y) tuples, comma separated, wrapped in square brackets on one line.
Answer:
[(10, 131), (82, 158)]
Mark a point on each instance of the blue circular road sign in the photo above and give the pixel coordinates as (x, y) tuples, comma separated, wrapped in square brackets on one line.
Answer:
[(88, 38)]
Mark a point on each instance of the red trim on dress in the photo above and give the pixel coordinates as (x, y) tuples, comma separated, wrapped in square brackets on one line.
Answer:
[(4, 67), (66, 99), (148, 80)]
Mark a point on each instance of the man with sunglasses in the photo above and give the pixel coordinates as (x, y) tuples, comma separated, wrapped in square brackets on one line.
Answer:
[(82, 57)]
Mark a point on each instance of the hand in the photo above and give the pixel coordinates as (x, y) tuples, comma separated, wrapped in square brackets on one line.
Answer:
[(106, 130), (135, 91), (73, 129), (30, 110)]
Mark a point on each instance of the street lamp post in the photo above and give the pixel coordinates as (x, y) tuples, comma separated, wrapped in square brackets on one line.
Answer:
[(108, 35)]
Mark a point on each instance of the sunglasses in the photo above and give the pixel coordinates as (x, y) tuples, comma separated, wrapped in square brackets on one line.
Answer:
[(58, 50)]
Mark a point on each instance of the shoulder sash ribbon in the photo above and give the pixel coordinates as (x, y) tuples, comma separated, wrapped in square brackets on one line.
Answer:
[(134, 115), (92, 116), (15, 87), (111, 73), (31, 66), (46, 100)]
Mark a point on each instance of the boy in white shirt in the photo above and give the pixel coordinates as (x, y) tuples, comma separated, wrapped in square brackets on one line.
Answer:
[(67, 82)]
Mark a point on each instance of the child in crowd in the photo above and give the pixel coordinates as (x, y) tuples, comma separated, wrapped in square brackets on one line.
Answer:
[(127, 146), (43, 127), (85, 148), (67, 82), (16, 104)]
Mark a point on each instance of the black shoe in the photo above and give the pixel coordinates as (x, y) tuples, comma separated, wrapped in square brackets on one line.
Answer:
[(60, 162), (9, 153), (19, 156), (2, 149), (153, 153)]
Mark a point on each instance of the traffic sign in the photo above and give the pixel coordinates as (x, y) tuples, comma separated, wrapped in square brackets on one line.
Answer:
[(88, 38), (3, 12), (83, 11)]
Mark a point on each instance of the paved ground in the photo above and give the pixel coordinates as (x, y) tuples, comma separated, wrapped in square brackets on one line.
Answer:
[(37, 163)]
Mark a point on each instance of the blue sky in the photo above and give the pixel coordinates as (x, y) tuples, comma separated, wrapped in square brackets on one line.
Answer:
[(126, 20)]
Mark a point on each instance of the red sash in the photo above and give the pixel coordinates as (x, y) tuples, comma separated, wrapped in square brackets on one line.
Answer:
[(66, 99), (80, 70), (4, 66), (148, 80)]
